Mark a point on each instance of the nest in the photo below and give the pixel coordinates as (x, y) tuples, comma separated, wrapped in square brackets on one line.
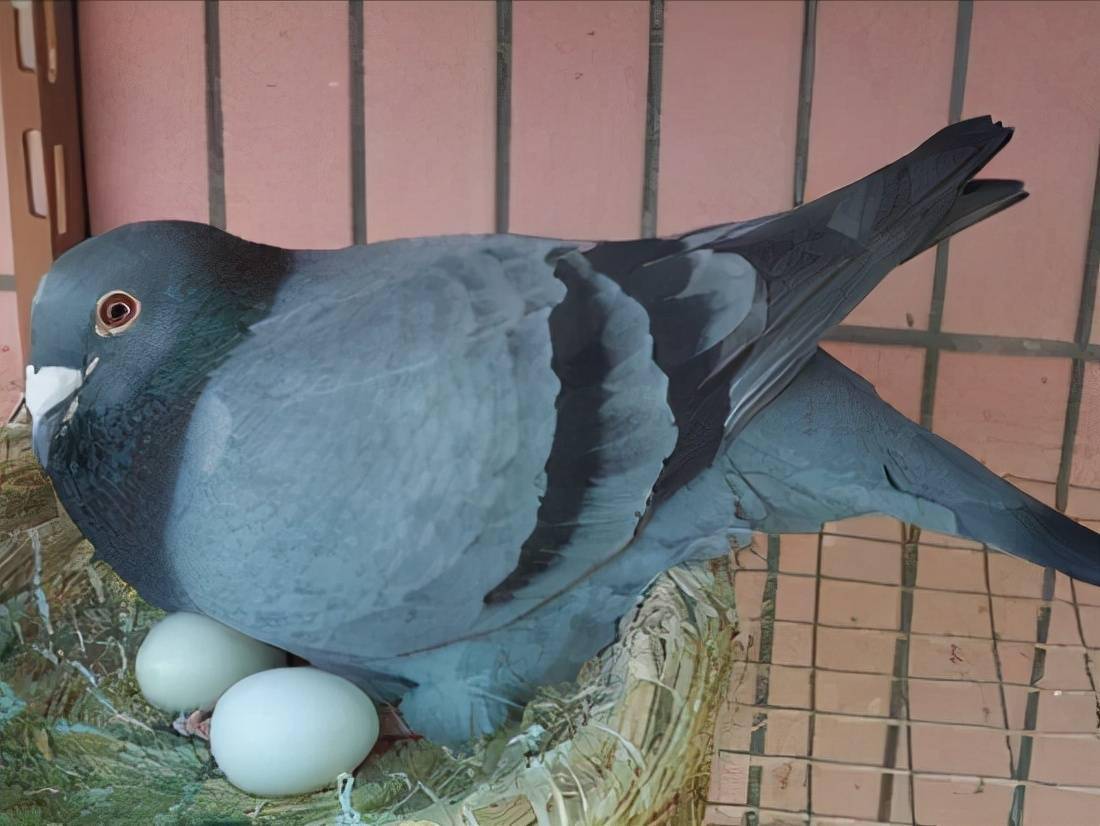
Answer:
[(629, 742)]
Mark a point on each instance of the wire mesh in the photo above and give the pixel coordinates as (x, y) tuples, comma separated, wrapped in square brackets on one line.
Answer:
[(885, 676)]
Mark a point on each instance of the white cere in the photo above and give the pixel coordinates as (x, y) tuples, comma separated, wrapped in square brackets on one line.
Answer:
[(47, 387)]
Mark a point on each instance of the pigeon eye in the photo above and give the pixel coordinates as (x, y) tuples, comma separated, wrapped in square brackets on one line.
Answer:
[(115, 312)]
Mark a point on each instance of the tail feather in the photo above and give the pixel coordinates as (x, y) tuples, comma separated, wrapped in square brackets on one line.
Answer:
[(979, 200), (821, 260)]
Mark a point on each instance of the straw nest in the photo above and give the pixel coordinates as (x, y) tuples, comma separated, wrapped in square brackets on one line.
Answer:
[(628, 743)]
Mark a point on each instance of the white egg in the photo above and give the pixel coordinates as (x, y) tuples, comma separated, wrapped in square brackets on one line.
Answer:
[(291, 731), (187, 661)]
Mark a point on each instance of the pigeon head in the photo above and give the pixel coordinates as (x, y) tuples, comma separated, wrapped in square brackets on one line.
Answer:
[(125, 328)]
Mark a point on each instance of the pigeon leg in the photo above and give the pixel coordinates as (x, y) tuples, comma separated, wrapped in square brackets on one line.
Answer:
[(392, 729), (195, 724)]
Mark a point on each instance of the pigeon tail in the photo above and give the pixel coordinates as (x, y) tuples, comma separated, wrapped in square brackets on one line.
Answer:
[(980, 198), (819, 261)]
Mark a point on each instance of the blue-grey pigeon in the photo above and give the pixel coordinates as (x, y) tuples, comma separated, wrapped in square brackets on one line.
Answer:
[(444, 467)]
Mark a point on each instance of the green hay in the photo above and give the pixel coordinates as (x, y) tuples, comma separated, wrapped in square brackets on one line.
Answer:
[(628, 743)]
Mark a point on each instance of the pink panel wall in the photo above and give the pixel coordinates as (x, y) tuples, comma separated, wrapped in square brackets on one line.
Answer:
[(578, 117), (285, 107), (1007, 411), (1086, 454), (430, 117), (1035, 66), (867, 53), (727, 111), (144, 113)]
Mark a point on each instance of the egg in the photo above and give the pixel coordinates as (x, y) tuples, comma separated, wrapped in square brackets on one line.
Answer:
[(187, 661), (291, 731)]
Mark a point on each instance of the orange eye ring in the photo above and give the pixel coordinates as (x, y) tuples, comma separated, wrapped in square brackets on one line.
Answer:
[(115, 312)]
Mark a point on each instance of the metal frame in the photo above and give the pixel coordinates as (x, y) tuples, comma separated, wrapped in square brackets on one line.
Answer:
[(933, 341)]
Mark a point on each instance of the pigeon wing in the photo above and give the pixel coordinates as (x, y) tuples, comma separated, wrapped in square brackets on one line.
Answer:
[(377, 443)]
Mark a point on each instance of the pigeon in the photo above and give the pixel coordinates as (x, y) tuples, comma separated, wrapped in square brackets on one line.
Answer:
[(445, 467)]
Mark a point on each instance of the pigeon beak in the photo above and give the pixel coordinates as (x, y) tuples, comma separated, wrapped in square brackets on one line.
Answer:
[(48, 387)]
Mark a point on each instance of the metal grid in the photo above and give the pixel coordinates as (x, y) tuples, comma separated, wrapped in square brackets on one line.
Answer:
[(916, 696), (794, 743)]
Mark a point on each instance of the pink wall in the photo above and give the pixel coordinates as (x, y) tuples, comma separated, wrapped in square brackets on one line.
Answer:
[(1037, 66), (430, 117), (579, 72), (727, 137), (285, 104), (144, 111), (578, 116), (866, 54)]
